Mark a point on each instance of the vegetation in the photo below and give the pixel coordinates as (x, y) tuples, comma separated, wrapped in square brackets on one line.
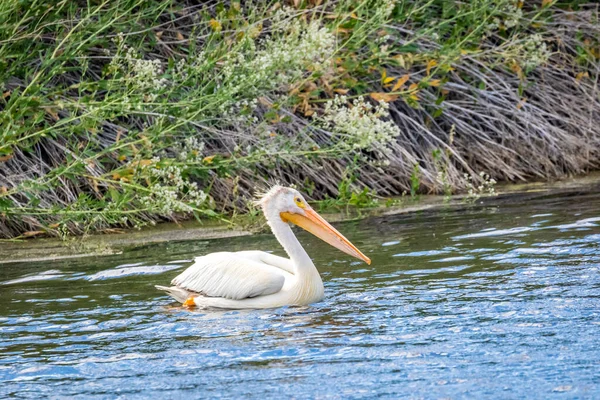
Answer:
[(122, 113)]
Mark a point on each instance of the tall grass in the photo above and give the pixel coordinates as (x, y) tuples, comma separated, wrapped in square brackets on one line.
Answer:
[(123, 113)]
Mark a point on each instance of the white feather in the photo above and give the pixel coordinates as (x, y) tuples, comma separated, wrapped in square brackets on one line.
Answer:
[(233, 276), (178, 294)]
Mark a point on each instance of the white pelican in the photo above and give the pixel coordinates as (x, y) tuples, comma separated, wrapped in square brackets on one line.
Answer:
[(256, 279)]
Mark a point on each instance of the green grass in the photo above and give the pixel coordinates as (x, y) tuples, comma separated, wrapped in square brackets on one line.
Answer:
[(124, 113)]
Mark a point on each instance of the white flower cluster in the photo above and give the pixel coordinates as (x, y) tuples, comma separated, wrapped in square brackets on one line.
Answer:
[(293, 47), (360, 124), (302, 47), (534, 51), (240, 112), (169, 193), (181, 68), (509, 16), (529, 52), (144, 75), (388, 7), (485, 188), (192, 149), (274, 63)]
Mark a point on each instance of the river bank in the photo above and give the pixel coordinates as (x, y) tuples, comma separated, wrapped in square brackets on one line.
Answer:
[(40, 249), (124, 114)]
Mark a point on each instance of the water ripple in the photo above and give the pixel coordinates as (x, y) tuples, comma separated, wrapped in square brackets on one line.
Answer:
[(469, 304)]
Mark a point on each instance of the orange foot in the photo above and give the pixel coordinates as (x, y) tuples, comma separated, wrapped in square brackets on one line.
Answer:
[(189, 302)]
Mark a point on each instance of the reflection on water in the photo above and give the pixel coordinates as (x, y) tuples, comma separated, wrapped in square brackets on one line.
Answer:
[(501, 301)]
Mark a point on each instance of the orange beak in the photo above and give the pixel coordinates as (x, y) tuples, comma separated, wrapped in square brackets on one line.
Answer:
[(315, 224)]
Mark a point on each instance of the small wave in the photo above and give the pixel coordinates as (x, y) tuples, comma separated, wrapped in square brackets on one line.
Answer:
[(495, 232), (121, 272), (42, 276)]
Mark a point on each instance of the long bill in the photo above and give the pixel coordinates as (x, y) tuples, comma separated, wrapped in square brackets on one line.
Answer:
[(315, 224)]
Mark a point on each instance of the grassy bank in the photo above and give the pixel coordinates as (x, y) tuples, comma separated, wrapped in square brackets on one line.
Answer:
[(123, 113)]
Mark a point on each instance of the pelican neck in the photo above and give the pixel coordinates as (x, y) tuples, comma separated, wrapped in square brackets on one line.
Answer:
[(284, 234)]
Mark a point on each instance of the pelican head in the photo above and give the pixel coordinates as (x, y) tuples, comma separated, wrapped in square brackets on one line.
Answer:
[(291, 207)]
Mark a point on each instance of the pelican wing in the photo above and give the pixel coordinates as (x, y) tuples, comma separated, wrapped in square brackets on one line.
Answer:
[(267, 258), (232, 275)]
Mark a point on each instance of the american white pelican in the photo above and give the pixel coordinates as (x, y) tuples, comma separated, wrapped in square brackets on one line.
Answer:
[(255, 279)]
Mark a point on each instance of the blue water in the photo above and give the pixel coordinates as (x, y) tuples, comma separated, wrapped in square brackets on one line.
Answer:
[(495, 301)]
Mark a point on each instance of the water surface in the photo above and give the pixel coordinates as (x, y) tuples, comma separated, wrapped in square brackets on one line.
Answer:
[(497, 301)]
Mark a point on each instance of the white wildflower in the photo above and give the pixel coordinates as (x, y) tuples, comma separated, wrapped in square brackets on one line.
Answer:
[(144, 75), (485, 188), (361, 125), (169, 192), (508, 15), (388, 7), (191, 149), (293, 48), (535, 52)]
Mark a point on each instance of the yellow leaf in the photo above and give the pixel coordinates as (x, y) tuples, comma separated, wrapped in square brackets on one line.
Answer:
[(547, 3), (400, 60), (434, 82), (265, 102), (401, 82), (413, 87), (180, 36), (113, 230), (6, 157), (521, 103), (32, 233), (414, 97), (256, 30), (516, 68), (383, 97), (383, 75), (53, 114), (208, 159), (388, 79), (581, 75), (431, 64), (341, 91), (215, 25)]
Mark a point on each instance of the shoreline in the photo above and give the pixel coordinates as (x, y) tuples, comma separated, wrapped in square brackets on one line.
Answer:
[(53, 249)]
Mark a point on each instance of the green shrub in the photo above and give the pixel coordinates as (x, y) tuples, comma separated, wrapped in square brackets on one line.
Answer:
[(127, 112)]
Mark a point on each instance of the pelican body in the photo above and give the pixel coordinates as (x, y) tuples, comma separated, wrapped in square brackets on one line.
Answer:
[(257, 279)]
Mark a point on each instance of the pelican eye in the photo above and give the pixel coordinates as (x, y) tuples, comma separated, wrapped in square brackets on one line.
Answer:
[(299, 202)]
